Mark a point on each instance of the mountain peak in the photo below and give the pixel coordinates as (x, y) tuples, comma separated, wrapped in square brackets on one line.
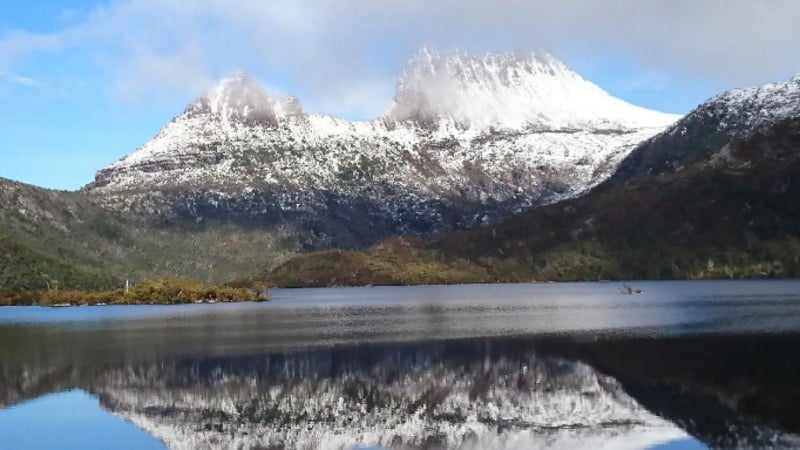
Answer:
[(237, 76), (432, 60), (288, 106), (508, 90), (237, 85), (238, 98)]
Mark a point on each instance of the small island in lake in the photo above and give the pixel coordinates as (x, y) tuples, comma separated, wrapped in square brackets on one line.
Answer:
[(166, 291)]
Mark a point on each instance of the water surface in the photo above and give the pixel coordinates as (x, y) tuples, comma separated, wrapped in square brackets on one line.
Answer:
[(572, 365)]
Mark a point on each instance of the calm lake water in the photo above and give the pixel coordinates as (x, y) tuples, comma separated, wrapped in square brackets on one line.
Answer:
[(685, 365)]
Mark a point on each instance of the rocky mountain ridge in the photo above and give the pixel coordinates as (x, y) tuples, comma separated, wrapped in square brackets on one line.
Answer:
[(468, 141)]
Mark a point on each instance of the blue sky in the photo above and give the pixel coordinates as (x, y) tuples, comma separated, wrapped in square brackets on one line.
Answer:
[(83, 83), (72, 419)]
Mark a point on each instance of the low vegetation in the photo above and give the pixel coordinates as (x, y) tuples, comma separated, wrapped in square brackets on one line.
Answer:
[(52, 240), (159, 292), (23, 267), (397, 261)]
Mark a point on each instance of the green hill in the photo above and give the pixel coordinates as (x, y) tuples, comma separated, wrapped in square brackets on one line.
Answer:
[(69, 240)]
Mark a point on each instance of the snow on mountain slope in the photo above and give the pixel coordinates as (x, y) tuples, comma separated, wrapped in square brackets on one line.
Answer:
[(705, 131), (749, 108), (507, 91), (467, 140)]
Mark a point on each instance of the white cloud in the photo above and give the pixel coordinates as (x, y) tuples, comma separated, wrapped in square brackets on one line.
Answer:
[(344, 55), (21, 80)]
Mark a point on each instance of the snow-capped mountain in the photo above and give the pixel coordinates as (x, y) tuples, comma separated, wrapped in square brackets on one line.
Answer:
[(467, 140), (709, 128), (535, 92)]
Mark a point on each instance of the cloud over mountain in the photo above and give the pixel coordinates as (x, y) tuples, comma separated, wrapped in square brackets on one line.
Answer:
[(341, 55)]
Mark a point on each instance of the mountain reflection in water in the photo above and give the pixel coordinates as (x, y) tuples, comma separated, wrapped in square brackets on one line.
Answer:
[(498, 393), (573, 365)]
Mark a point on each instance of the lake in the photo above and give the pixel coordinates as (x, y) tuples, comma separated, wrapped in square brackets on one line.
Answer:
[(685, 365)]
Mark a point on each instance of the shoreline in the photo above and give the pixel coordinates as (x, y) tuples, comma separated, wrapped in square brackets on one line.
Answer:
[(506, 282), (265, 295), (4, 304), (170, 291), (198, 302)]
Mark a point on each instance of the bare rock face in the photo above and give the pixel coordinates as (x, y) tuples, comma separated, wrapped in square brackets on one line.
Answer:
[(468, 141)]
